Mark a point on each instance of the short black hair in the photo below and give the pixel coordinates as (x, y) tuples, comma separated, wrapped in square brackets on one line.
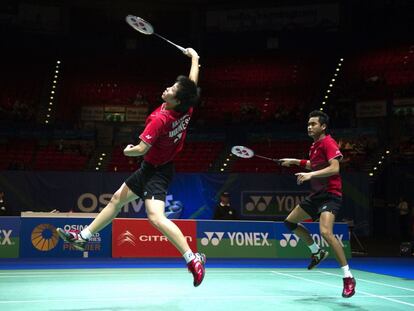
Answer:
[(323, 117), (188, 94)]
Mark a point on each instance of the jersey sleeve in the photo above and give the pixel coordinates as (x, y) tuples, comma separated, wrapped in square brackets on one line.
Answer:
[(332, 150), (152, 131)]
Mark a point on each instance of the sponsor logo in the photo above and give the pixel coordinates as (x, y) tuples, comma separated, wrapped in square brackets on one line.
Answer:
[(158, 238), (270, 203), (90, 203), (292, 240), (289, 239), (127, 237), (258, 202), (236, 238), (148, 136), (5, 237), (44, 237), (212, 237), (322, 242)]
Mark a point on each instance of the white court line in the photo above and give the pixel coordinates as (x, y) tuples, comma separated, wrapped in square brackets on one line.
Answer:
[(359, 291), (373, 282), (122, 275), (201, 298), (122, 272)]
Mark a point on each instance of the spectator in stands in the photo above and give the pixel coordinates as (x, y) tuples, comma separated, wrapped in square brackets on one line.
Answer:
[(404, 216), (224, 210), (3, 208), (60, 145)]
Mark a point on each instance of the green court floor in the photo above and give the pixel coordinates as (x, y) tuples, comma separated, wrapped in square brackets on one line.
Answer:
[(222, 289)]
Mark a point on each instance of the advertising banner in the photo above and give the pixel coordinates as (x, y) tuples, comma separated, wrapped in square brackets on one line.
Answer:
[(138, 238), (40, 239), (270, 203), (289, 245), (236, 239), (268, 197), (9, 237)]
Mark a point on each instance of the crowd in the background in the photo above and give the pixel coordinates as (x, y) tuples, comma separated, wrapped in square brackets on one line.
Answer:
[(17, 110)]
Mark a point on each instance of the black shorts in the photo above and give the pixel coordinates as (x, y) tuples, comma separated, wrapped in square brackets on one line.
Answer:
[(318, 203), (151, 181)]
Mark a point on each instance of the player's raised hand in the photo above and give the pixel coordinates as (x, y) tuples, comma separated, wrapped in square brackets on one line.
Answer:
[(190, 52)]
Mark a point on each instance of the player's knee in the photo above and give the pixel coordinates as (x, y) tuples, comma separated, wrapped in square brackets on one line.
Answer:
[(155, 220), (290, 225), (326, 234), (116, 200)]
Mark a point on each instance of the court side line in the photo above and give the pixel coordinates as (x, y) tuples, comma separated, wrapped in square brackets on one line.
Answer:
[(359, 291), (142, 272), (373, 282), (135, 275), (190, 298), (100, 299)]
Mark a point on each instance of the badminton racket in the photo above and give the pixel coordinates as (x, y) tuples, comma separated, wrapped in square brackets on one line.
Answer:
[(247, 153), (146, 28)]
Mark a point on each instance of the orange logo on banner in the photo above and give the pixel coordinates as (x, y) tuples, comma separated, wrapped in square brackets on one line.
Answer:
[(44, 237)]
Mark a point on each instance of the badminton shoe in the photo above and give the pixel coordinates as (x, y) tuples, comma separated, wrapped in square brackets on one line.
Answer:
[(196, 267), (317, 258), (349, 287), (73, 237)]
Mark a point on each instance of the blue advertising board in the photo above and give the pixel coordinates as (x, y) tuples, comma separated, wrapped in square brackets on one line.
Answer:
[(39, 238)]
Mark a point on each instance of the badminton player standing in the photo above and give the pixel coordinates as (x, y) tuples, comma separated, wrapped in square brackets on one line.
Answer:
[(163, 137), (325, 199)]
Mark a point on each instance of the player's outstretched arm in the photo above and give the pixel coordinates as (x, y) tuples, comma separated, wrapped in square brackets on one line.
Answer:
[(194, 71)]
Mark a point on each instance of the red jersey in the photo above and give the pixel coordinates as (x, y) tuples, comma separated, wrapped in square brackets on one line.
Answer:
[(320, 153), (165, 131)]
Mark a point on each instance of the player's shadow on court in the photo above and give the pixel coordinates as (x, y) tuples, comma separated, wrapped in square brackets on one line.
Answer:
[(330, 301)]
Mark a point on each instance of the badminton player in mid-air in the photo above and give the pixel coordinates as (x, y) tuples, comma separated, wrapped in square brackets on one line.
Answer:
[(326, 198), (162, 139)]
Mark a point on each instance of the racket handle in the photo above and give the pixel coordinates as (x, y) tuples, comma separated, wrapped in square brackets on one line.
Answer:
[(179, 47), (172, 43)]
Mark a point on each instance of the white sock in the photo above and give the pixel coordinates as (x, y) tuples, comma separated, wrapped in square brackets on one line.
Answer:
[(188, 256), (347, 272), (314, 248), (86, 234)]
